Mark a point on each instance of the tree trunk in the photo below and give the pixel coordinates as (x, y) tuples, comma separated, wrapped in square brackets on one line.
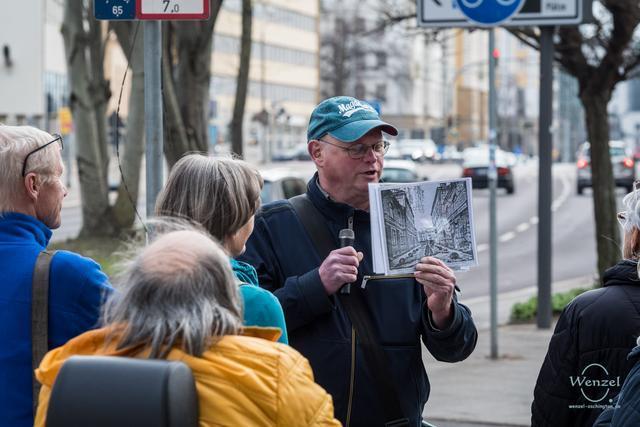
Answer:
[(175, 135), (243, 80), (193, 78), (123, 209), (604, 201), (93, 188), (191, 73), (100, 90)]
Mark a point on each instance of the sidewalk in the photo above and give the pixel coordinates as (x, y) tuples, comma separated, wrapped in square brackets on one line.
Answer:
[(484, 392)]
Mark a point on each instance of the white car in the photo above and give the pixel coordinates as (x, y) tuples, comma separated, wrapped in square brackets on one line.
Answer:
[(418, 150), (281, 184), (400, 171)]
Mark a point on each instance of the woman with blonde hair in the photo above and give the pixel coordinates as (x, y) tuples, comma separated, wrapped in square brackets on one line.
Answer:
[(223, 195)]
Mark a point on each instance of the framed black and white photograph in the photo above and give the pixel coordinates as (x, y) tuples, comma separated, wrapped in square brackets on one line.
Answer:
[(410, 221)]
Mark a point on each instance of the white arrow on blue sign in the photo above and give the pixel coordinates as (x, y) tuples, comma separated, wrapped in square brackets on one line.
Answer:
[(489, 12)]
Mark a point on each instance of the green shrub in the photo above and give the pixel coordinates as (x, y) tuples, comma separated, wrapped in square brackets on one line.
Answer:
[(526, 311)]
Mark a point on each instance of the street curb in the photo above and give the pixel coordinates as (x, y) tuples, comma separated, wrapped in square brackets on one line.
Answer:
[(480, 306)]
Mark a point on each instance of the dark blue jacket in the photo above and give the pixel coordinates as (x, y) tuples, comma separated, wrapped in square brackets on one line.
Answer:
[(287, 264), (625, 408), (76, 288)]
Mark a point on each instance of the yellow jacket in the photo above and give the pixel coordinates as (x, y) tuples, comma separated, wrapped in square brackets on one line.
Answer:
[(241, 380)]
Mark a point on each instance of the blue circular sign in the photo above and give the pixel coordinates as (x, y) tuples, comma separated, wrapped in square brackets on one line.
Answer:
[(489, 12)]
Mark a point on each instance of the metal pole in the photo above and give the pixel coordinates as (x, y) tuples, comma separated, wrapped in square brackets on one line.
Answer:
[(153, 111), (544, 178), (445, 89), (493, 177)]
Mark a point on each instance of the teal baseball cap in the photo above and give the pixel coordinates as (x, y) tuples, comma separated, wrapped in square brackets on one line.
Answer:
[(346, 119)]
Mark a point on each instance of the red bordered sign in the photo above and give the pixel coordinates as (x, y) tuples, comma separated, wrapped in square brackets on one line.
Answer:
[(172, 9)]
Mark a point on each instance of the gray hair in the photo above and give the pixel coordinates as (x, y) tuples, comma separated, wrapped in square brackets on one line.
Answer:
[(222, 194), (15, 143), (631, 243), (178, 291)]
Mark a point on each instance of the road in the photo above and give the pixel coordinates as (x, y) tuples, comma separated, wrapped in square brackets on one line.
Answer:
[(574, 250)]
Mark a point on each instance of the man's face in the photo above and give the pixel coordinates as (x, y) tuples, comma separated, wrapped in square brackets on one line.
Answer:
[(52, 192), (345, 178)]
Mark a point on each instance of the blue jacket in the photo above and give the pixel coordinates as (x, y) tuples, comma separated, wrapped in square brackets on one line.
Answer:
[(287, 264), (76, 289), (624, 411), (260, 307)]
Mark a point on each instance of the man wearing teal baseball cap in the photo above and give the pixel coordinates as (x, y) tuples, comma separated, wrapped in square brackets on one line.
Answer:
[(374, 372)]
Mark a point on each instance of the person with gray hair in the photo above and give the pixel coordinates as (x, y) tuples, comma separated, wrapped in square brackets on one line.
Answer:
[(179, 301), (223, 195), (592, 338), (31, 194)]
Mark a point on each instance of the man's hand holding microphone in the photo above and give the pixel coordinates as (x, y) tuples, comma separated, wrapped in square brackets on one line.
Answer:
[(340, 268)]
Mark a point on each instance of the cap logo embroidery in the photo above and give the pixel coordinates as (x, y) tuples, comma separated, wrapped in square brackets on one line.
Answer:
[(347, 110)]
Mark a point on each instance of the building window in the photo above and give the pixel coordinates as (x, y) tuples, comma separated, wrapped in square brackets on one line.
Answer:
[(231, 45), (381, 59), (360, 92)]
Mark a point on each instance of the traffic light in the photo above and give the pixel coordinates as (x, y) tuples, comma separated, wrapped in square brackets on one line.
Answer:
[(496, 55)]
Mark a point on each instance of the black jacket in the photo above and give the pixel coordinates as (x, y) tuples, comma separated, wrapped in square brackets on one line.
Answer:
[(587, 358), (625, 408), (318, 326)]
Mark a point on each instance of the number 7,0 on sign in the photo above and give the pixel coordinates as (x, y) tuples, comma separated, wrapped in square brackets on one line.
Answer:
[(172, 9)]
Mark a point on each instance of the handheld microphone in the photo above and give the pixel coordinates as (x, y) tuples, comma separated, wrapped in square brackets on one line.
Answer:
[(347, 238)]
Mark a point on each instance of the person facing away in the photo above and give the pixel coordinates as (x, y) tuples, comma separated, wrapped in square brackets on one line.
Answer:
[(624, 410), (592, 338), (179, 301), (223, 195), (346, 144), (31, 194)]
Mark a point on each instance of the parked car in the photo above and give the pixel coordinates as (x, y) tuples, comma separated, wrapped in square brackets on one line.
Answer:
[(621, 161), (393, 153), (400, 171), (475, 165), (451, 154), (281, 184), (298, 152), (418, 150)]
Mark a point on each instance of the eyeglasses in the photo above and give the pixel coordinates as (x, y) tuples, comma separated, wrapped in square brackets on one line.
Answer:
[(358, 151), (57, 139)]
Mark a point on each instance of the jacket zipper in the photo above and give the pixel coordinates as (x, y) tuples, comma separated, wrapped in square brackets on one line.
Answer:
[(353, 374)]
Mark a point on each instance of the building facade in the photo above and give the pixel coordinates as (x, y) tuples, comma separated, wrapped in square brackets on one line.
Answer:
[(283, 76)]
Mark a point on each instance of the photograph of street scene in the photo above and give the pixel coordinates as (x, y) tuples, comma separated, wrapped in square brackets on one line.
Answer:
[(428, 219)]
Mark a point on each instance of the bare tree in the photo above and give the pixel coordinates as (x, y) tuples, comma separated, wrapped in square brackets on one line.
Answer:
[(131, 39), (186, 65), (599, 55), (186, 75), (83, 51), (243, 79)]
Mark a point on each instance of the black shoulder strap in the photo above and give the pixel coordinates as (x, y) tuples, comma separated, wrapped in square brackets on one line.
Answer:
[(377, 359), (39, 316)]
